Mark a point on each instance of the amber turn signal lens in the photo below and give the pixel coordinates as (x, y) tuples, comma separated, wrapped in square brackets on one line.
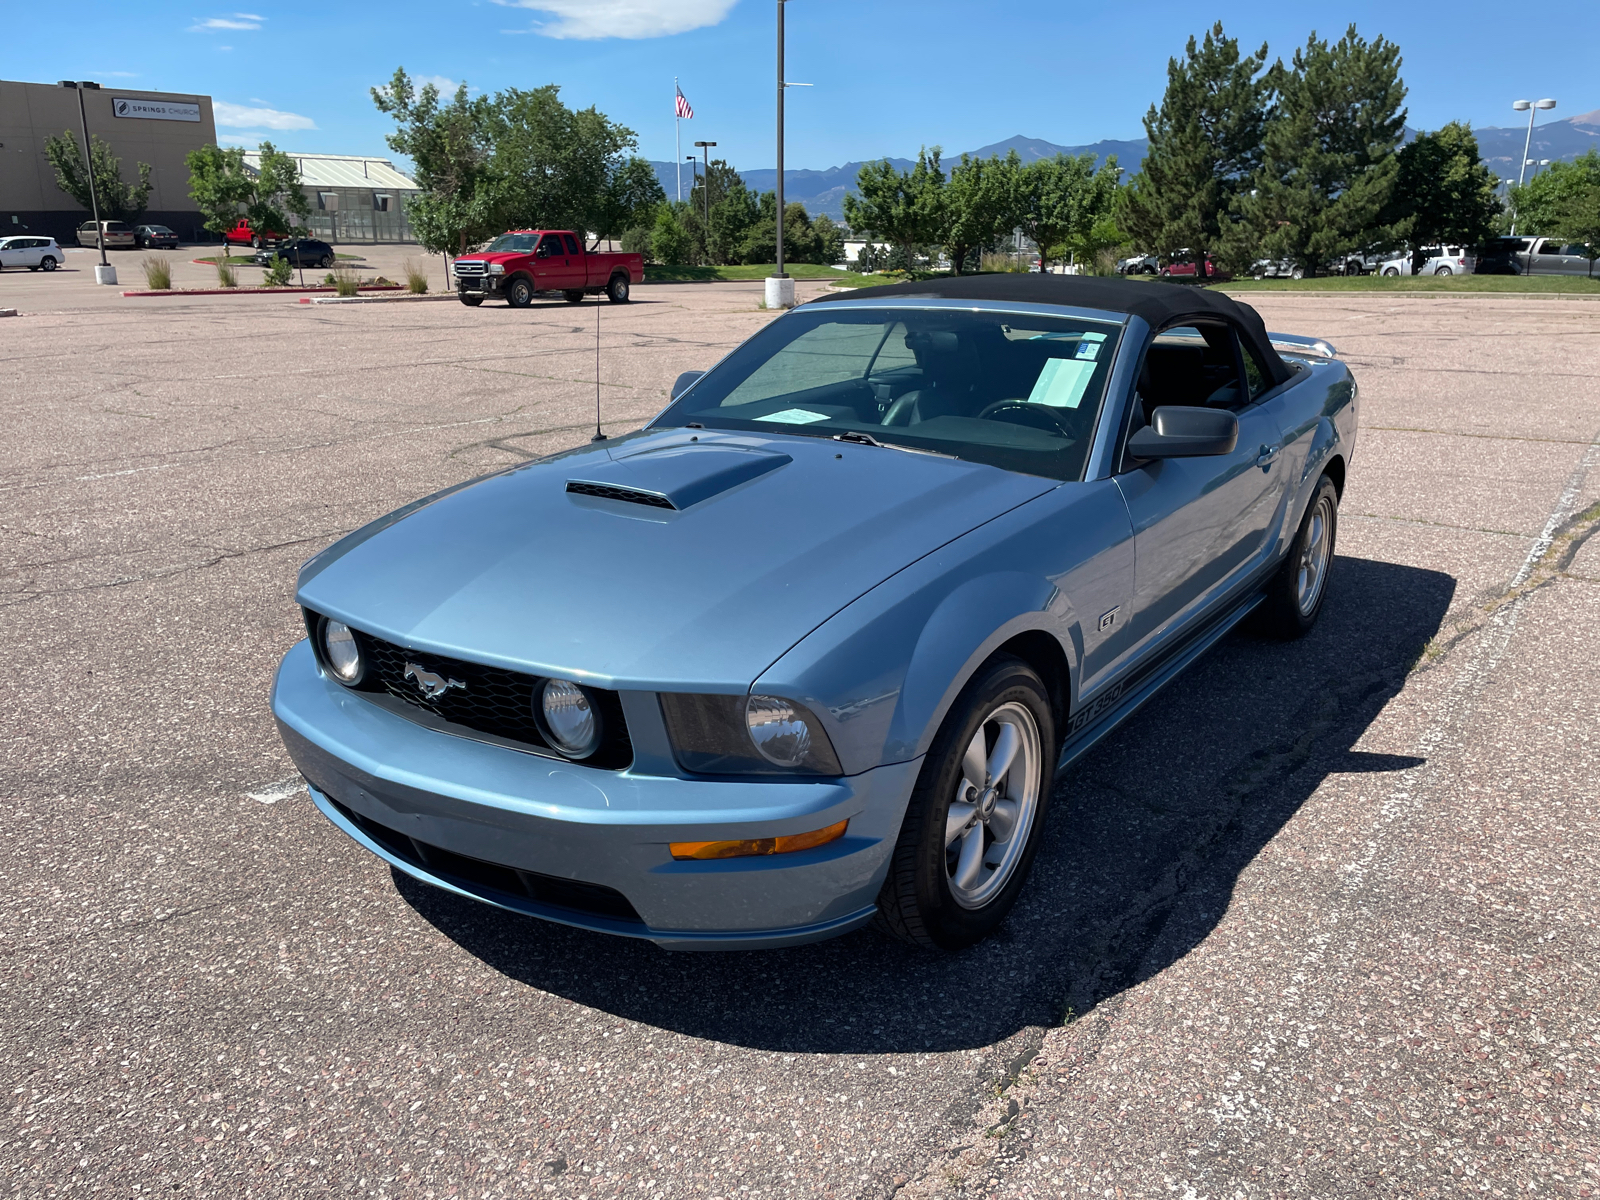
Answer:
[(752, 846)]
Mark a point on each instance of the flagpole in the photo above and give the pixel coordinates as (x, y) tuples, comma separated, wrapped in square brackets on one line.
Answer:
[(677, 137)]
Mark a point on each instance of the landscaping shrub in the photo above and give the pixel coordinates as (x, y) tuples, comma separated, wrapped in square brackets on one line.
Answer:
[(416, 278), (344, 280), (280, 272), (157, 273), (226, 276)]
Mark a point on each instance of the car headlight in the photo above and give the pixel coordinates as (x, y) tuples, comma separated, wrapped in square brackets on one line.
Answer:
[(567, 718), (747, 735), (497, 268), (340, 651)]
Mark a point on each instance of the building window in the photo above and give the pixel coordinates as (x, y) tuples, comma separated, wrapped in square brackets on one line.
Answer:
[(380, 203)]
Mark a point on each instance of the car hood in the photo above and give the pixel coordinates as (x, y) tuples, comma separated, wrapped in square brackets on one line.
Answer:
[(665, 559), (499, 256)]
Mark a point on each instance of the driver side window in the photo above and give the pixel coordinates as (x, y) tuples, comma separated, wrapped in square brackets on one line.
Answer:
[(1192, 366)]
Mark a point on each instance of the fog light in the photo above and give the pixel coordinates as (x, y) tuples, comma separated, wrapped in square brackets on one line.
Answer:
[(749, 847), (344, 656), (570, 720)]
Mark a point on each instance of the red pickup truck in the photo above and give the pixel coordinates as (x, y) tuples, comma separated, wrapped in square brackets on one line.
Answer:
[(525, 261), (241, 233)]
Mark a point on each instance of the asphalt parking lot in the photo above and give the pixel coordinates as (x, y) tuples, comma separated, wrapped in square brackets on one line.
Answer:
[(1321, 921)]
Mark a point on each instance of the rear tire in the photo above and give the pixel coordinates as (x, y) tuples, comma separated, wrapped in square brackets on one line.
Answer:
[(617, 289), (572, 297), (519, 293), (1295, 595), (968, 840), (470, 301), (47, 263)]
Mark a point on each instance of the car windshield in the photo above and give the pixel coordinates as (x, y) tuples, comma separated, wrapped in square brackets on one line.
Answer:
[(1017, 391), (521, 242)]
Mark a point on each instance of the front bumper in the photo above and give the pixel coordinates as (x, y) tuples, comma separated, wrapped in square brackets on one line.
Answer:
[(538, 835)]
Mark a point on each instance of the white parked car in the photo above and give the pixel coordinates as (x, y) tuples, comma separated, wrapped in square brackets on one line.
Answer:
[(26, 250), (1437, 260)]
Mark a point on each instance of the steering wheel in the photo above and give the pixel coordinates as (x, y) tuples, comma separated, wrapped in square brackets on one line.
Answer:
[(1051, 421)]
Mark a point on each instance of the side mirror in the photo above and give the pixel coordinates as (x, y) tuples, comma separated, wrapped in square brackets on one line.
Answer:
[(1186, 433), (684, 382)]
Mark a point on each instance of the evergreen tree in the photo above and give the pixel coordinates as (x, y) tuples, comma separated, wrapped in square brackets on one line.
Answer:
[(1329, 165), (1443, 193), (734, 208), (1205, 147)]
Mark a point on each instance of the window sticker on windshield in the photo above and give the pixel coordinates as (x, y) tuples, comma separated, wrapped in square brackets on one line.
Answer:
[(1062, 383), (794, 416), (1089, 350)]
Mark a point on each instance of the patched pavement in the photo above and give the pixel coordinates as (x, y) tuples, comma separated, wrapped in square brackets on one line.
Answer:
[(1320, 921)]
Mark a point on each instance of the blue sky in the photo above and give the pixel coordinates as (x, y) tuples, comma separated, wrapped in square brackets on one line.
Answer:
[(889, 75)]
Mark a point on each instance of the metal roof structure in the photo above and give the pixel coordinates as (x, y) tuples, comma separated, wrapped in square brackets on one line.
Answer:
[(343, 171)]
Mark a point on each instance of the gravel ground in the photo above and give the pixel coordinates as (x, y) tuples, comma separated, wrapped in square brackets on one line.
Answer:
[(1320, 921)]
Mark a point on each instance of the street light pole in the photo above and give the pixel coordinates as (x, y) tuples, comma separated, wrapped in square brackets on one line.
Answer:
[(780, 274), (705, 180), (1531, 107), (104, 273)]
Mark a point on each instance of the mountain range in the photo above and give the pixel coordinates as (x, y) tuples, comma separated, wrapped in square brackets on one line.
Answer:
[(824, 191)]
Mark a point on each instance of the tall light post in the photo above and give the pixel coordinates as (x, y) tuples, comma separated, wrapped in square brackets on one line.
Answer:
[(705, 176), (780, 288), (1531, 107), (105, 272)]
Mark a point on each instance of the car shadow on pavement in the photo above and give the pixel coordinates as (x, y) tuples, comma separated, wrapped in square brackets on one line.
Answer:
[(1143, 843)]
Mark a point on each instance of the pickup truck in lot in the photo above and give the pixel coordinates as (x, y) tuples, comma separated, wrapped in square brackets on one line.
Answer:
[(518, 264)]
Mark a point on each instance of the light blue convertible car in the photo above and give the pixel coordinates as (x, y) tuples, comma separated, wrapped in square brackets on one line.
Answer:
[(807, 651)]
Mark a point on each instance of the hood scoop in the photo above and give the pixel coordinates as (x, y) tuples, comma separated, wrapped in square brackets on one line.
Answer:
[(676, 477)]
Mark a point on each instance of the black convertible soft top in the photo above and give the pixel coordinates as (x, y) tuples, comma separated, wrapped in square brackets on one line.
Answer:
[(1160, 304)]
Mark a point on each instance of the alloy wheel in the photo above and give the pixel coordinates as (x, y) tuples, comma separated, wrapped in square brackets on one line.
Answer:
[(991, 815), (1313, 566)]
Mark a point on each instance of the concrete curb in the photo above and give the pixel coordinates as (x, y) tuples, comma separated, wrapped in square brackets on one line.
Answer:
[(263, 291), (375, 299), (8, 312)]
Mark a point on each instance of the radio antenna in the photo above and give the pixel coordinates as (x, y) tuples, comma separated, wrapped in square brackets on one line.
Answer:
[(599, 435)]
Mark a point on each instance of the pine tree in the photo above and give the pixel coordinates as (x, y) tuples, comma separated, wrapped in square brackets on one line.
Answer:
[(1205, 146), (1329, 166)]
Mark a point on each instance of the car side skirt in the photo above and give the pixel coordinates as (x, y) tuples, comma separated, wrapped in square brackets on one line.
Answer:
[(1126, 696)]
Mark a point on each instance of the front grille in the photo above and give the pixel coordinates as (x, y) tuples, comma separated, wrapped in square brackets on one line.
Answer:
[(464, 269), (491, 700), (477, 875), (608, 492)]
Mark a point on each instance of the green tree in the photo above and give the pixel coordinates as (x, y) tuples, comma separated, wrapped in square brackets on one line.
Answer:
[(905, 208), (450, 147), (979, 205), (274, 197), (1577, 218), (219, 185), (1205, 146), (119, 201), (1537, 203), (1443, 193), (829, 240), (1329, 166), (670, 241), (1058, 201), (555, 166), (734, 209), (629, 199)]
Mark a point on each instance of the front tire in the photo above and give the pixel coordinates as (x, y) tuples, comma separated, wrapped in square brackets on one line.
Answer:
[(325, 261), (1295, 595), (519, 293), (1391, 272), (973, 823), (617, 289), (470, 301), (1444, 271)]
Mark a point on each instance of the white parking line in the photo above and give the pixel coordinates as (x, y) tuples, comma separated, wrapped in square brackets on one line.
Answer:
[(271, 793)]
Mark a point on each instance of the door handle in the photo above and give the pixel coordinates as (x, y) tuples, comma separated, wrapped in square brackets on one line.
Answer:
[(1267, 455)]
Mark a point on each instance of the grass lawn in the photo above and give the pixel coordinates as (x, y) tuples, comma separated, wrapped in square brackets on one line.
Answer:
[(249, 259), (656, 273), (1458, 285)]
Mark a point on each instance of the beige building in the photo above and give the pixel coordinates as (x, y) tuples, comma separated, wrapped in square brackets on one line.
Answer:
[(158, 128)]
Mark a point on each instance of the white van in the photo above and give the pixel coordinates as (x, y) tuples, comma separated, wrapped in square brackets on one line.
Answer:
[(118, 235)]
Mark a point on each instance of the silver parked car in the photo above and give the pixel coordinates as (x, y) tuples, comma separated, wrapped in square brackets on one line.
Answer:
[(118, 235), (31, 251), (807, 651)]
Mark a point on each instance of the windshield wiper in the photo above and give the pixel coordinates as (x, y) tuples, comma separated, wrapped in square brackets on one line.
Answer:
[(866, 439)]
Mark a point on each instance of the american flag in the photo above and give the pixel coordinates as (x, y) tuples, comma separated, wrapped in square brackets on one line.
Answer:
[(683, 105)]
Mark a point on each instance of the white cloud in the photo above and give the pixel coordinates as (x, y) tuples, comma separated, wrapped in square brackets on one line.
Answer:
[(447, 86), (236, 21), (588, 19), (240, 115)]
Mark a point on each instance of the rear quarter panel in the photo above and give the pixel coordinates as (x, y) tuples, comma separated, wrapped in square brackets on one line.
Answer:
[(1318, 414)]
